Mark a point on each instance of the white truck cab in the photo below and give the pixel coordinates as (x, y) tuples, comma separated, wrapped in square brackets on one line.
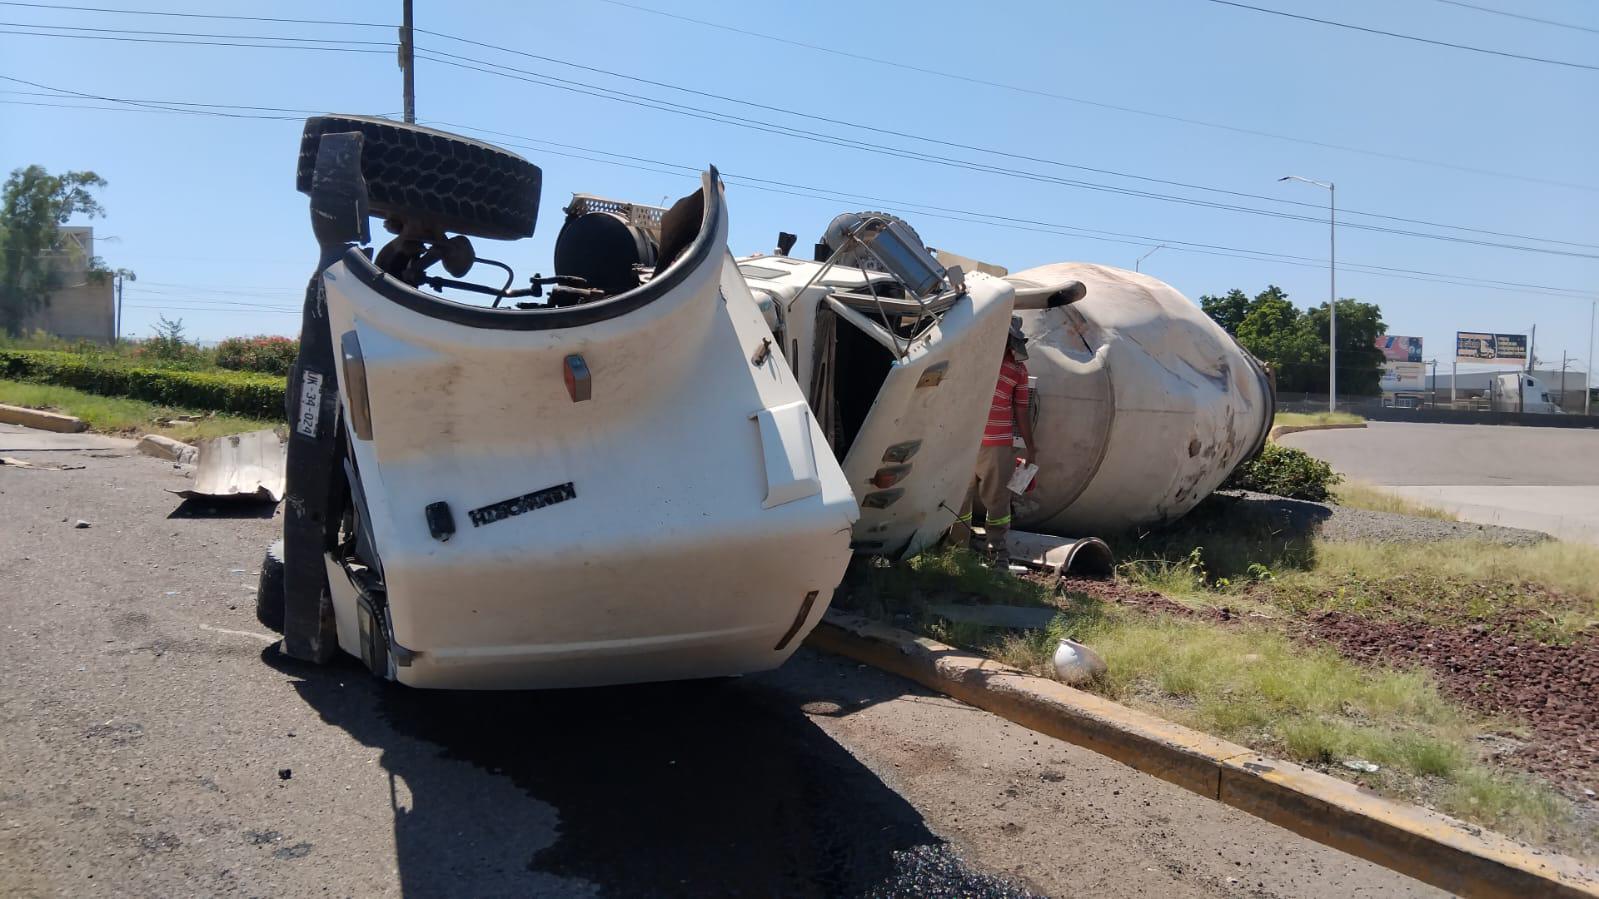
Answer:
[(620, 483)]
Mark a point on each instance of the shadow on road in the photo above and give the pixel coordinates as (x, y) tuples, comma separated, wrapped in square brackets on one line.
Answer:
[(708, 788), (202, 507)]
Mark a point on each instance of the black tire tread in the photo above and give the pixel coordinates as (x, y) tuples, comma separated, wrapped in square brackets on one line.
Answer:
[(463, 185), (269, 591)]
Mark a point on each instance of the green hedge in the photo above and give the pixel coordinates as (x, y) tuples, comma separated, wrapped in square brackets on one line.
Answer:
[(243, 393), (1285, 471)]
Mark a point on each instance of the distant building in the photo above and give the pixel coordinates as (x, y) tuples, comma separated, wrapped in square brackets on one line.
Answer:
[(82, 308)]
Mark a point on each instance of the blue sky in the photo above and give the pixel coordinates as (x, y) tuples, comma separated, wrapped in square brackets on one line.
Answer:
[(204, 208)]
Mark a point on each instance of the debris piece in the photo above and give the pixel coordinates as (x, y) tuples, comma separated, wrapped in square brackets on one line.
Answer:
[(240, 466), (81, 524), (1076, 663), (41, 420), (285, 773), (166, 448), (1361, 765)]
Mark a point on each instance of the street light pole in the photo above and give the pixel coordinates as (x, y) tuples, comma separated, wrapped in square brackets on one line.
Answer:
[(408, 61), (1147, 255), (1332, 286)]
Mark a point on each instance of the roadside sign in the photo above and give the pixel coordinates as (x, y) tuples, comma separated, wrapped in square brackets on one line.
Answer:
[(1403, 376), (1477, 346), (1400, 349)]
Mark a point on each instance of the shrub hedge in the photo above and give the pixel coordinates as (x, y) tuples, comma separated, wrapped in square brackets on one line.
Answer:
[(243, 393), (1285, 471), (271, 355)]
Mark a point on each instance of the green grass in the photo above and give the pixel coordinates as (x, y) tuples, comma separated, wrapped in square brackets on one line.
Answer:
[(1300, 419), (1360, 495), (118, 415), (1255, 685), (1220, 556)]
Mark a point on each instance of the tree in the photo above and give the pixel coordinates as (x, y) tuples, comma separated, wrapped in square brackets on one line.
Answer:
[(1359, 359), (1294, 341), (33, 207), (1228, 310)]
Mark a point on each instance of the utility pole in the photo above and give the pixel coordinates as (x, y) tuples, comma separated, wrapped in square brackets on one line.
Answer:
[(1435, 383), (1562, 378), (1587, 379), (408, 62), (121, 275)]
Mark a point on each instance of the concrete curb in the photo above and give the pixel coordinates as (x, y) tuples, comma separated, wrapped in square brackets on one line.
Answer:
[(1428, 846), (168, 449), (41, 420), (1284, 430)]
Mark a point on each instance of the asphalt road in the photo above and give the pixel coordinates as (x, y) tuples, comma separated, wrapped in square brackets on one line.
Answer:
[(1545, 479), (153, 742)]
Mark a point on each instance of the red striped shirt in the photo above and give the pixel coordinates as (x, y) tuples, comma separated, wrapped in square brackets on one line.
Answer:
[(1010, 400)]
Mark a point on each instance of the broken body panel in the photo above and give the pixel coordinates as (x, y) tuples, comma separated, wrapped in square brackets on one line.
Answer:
[(902, 395)]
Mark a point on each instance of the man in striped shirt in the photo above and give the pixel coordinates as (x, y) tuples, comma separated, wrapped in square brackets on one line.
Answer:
[(1009, 414)]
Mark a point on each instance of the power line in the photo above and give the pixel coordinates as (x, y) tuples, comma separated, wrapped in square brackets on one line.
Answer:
[(880, 61), (192, 43), (1408, 37), (1016, 223), (990, 219), (1525, 18), (463, 62), (587, 89), (194, 15), (264, 37), (979, 149), (1023, 89)]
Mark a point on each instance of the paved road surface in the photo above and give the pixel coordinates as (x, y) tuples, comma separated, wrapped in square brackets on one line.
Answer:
[(1546, 479), (153, 742)]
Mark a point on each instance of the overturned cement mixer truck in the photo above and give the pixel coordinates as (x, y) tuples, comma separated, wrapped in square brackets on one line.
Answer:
[(1142, 404)]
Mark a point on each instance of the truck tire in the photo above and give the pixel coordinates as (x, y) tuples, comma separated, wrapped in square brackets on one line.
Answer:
[(461, 185), (269, 591)]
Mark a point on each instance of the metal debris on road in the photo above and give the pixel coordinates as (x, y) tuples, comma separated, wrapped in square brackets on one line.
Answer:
[(247, 467)]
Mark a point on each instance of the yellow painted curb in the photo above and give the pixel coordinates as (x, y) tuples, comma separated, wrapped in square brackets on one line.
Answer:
[(1434, 848), (1282, 430), (44, 421)]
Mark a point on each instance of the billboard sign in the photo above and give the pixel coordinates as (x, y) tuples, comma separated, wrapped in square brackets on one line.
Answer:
[(1476, 346), (1399, 349), (1403, 376)]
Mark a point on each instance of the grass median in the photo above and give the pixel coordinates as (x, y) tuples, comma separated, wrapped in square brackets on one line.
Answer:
[(1230, 657), (120, 415), (1302, 419)]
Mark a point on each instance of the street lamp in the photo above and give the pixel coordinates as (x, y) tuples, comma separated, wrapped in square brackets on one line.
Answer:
[(1147, 255), (1332, 286)]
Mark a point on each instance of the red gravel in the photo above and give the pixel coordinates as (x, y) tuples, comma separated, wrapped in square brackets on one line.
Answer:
[(1554, 688), (1498, 670)]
